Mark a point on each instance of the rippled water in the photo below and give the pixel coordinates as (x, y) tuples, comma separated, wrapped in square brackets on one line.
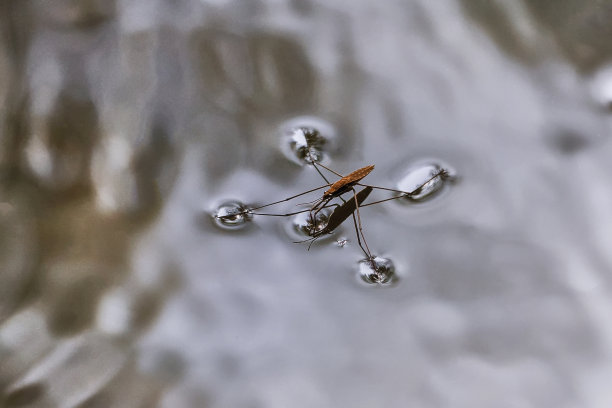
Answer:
[(124, 126)]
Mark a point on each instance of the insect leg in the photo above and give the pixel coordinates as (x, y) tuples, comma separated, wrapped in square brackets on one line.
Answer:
[(359, 228), (315, 164), (289, 198), (326, 168), (251, 210), (291, 213), (442, 173)]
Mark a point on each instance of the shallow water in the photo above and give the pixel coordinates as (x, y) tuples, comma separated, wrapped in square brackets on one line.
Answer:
[(124, 125)]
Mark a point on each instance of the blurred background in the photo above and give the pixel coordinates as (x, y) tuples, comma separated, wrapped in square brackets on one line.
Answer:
[(125, 123)]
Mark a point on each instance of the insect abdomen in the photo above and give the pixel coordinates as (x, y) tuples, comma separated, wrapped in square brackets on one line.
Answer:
[(349, 180)]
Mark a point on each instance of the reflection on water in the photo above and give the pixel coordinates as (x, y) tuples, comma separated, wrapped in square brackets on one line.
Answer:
[(305, 224), (424, 180), (120, 121), (231, 215), (379, 271), (307, 139)]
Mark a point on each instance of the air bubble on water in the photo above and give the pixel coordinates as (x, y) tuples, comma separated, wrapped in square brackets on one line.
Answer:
[(425, 180), (377, 271), (341, 243), (231, 215), (306, 139), (302, 225)]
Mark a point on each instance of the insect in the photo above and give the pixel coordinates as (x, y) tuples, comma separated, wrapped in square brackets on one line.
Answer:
[(342, 186), (349, 207)]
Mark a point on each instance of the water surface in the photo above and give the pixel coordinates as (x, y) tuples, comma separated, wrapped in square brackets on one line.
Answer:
[(124, 125)]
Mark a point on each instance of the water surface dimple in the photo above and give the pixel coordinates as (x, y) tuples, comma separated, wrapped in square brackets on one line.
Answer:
[(231, 215), (306, 139), (378, 271), (306, 224), (425, 180)]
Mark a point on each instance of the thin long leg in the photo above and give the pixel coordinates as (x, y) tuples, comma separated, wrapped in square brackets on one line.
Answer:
[(291, 213), (289, 198), (315, 164), (328, 169), (358, 237), (277, 215), (408, 193), (321, 174), (382, 201), (402, 193), (359, 228)]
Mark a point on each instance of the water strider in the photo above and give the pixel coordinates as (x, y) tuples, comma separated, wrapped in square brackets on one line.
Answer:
[(341, 212)]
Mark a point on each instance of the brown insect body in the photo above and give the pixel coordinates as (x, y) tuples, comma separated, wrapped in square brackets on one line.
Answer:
[(348, 181)]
